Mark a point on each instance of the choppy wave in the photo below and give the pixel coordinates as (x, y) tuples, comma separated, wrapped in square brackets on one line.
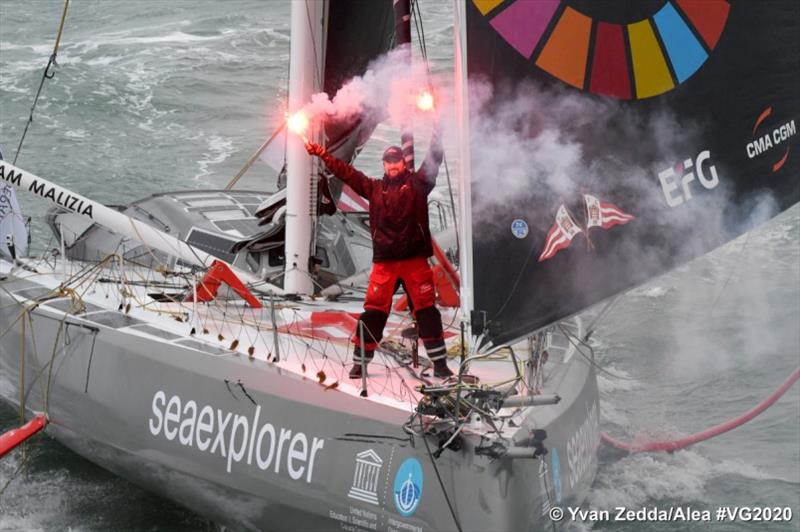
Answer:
[(681, 477), (219, 149), (164, 106)]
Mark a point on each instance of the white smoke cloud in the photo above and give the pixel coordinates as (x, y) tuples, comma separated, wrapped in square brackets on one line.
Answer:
[(534, 149), (387, 90)]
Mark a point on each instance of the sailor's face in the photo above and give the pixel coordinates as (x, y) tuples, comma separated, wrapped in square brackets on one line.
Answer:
[(394, 169)]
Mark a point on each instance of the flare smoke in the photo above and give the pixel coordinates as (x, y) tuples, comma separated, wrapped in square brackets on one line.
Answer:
[(388, 90)]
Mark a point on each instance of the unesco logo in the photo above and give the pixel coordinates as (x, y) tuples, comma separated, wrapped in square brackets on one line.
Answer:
[(408, 487)]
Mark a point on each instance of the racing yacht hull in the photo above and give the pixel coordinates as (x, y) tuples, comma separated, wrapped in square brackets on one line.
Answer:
[(255, 444)]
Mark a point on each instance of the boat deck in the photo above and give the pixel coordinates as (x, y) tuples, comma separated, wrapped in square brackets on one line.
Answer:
[(311, 338)]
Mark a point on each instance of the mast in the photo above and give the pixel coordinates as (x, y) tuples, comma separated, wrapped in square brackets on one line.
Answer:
[(305, 78), (464, 167)]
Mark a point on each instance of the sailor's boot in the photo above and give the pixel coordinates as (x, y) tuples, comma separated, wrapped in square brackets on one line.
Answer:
[(429, 322), (358, 370), (441, 370), (370, 326)]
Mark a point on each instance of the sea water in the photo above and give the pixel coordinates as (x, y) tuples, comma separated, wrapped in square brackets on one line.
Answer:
[(157, 95)]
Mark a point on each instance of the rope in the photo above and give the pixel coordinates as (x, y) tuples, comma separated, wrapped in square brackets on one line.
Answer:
[(591, 359), (733, 272), (47, 74), (318, 74), (680, 443), (23, 463), (423, 47), (600, 315), (253, 158), (22, 372), (438, 476)]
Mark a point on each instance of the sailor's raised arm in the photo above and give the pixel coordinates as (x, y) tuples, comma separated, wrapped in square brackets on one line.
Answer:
[(346, 172), (429, 170)]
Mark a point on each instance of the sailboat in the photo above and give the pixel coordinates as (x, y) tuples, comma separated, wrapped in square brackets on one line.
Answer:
[(236, 402)]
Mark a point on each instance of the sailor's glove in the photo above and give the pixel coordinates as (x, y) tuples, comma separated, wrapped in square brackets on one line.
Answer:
[(315, 149)]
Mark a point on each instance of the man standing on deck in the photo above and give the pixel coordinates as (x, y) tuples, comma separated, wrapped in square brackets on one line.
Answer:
[(401, 245)]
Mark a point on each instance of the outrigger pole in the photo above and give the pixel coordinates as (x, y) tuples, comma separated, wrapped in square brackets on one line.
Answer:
[(14, 437), (120, 223)]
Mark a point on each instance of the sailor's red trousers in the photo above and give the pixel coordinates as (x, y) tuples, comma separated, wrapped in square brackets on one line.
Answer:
[(416, 276)]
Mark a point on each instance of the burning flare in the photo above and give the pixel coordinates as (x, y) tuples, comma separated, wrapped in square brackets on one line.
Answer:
[(425, 100), (298, 124)]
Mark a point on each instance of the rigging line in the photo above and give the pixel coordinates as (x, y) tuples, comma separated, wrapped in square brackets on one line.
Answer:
[(438, 476), (517, 280), (253, 158), (452, 204), (601, 314), (417, 15), (730, 276), (591, 360), (35, 357), (317, 63), (422, 32), (50, 368), (47, 74), (22, 372), (22, 464)]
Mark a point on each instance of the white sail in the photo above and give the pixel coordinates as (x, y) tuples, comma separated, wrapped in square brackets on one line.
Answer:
[(13, 232)]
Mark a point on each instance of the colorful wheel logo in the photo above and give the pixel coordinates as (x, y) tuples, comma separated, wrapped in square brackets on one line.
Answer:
[(636, 60)]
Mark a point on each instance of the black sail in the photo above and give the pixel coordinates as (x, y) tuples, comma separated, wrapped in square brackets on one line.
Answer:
[(359, 31), (612, 141)]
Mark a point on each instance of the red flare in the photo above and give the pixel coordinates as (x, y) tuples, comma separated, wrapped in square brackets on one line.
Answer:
[(298, 123), (425, 101)]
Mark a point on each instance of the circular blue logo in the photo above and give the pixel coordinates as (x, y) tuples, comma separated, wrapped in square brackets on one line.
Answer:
[(519, 228), (408, 487), (556, 468)]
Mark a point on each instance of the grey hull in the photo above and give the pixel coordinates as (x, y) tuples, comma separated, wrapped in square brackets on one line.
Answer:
[(253, 446)]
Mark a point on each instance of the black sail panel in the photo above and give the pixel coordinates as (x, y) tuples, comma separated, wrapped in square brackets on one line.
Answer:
[(612, 141), (359, 31)]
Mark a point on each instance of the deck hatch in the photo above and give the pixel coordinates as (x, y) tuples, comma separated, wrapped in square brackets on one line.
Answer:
[(34, 293), (66, 305), (202, 346), (155, 331), (214, 244), (113, 319)]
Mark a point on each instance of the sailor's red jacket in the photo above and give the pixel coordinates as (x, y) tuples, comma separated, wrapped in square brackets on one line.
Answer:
[(398, 207)]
